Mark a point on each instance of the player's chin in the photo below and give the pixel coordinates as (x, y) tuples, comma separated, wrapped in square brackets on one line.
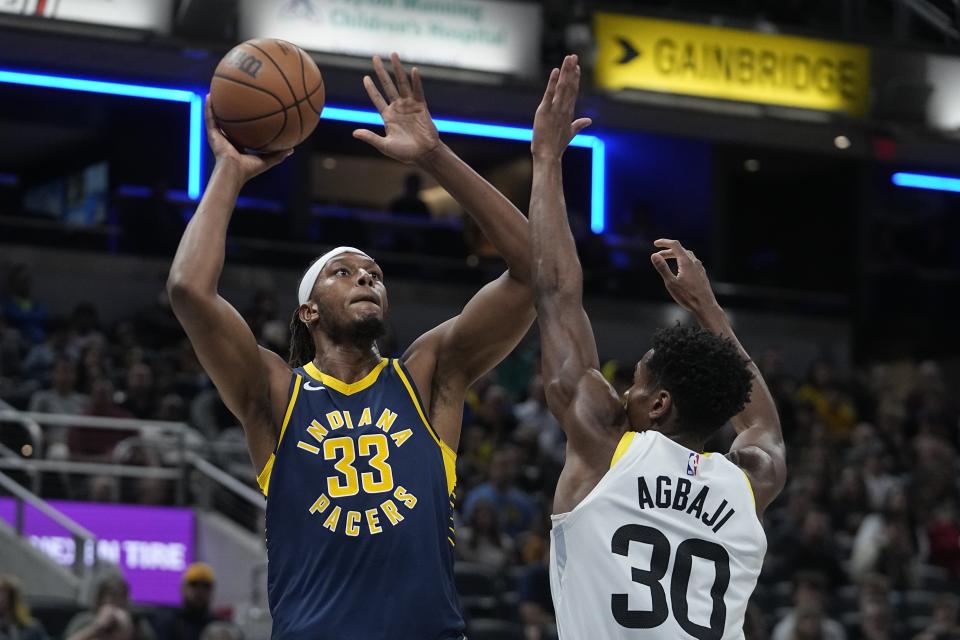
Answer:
[(370, 325)]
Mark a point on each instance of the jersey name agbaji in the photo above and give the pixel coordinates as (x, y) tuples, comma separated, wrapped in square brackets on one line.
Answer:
[(667, 545), (359, 513)]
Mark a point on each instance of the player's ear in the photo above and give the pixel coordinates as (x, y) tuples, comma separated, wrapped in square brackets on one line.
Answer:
[(662, 405), (308, 312)]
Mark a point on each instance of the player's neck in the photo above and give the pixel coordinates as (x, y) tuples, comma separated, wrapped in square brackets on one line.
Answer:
[(347, 362), (687, 440)]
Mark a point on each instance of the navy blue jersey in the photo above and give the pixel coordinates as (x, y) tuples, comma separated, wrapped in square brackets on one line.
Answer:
[(359, 513)]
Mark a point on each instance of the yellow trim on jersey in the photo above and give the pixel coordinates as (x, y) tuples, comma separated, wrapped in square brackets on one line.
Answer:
[(625, 441), (750, 487), (706, 454), (344, 387), (263, 479), (449, 455)]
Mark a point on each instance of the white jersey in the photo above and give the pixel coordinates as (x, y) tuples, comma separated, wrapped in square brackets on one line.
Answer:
[(667, 545)]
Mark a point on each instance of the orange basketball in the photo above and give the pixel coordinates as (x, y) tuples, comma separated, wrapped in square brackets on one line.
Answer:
[(267, 95)]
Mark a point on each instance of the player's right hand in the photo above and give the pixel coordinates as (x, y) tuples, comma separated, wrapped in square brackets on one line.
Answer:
[(225, 152), (689, 286), (554, 126)]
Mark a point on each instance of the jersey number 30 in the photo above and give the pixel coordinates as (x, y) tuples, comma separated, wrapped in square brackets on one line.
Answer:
[(679, 583)]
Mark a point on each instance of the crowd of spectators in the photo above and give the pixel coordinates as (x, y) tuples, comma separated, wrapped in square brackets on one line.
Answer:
[(864, 542)]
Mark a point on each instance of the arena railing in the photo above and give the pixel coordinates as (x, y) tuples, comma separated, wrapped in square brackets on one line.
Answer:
[(83, 538), (179, 452)]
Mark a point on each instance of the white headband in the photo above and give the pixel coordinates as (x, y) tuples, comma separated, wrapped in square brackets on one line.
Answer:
[(310, 277)]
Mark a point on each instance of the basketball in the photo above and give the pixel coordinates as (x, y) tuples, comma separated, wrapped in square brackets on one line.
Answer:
[(267, 95)]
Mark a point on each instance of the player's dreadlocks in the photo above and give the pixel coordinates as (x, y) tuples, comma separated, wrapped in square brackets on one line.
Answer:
[(302, 349)]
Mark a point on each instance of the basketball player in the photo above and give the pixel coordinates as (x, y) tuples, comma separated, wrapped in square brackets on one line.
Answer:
[(652, 537), (355, 452)]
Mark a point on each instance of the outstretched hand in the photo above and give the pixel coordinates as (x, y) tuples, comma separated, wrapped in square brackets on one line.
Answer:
[(410, 132), (554, 126), (224, 151), (689, 287)]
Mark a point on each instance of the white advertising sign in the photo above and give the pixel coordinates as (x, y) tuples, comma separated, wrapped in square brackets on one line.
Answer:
[(483, 35), (943, 107), (152, 15)]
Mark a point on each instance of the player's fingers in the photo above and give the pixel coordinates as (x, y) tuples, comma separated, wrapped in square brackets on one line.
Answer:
[(370, 138), (579, 125), (660, 264), (551, 87), (375, 97), (569, 82), (679, 252), (385, 81), (417, 82), (403, 83)]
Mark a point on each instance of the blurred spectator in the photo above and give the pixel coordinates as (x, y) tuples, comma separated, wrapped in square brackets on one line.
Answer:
[(848, 502), (515, 509), (876, 622), (807, 618), (265, 308), (20, 308), (888, 542), (535, 420), (495, 412), (833, 407), (15, 620), (813, 549), (12, 349), (481, 540), (535, 601), (139, 396), (62, 397), (85, 327), (221, 631), (409, 201), (193, 617), (945, 621), (943, 532), (98, 444), (41, 358), (110, 618)]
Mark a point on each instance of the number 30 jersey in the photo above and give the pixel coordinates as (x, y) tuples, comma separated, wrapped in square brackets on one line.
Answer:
[(359, 513), (667, 545)]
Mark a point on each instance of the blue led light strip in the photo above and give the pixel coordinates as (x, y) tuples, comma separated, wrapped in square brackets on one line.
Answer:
[(598, 161), (924, 181), (356, 116), (195, 100)]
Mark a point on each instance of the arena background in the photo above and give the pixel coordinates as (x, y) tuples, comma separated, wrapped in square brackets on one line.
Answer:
[(806, 149)]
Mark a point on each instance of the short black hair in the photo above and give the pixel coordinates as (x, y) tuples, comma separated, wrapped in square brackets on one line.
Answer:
[(705, 375)]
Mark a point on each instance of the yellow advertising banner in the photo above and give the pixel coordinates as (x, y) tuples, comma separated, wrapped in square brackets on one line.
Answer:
[(713, 62)]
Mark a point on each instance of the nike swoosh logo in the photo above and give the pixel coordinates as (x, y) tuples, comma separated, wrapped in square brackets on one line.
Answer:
[(309, 386)]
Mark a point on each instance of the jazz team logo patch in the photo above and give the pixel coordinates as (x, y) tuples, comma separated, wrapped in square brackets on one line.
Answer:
[(693, 463)]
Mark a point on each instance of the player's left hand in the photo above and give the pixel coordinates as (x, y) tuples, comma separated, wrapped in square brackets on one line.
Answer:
[(410, 132), (554, 126), (690, 286)]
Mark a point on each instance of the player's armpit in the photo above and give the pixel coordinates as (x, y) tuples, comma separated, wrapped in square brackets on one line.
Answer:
[(763, 460)]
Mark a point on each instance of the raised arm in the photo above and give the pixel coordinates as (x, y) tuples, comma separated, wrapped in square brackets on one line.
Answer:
[(577, 393), (758, 447), (252, 382), (462, 349)]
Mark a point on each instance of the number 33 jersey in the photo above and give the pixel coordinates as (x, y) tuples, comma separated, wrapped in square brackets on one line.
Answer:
[(667, 545), (359, 515)]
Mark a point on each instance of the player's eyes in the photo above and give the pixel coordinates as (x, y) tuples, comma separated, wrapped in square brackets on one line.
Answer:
[(342, 271), (376, 276)]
